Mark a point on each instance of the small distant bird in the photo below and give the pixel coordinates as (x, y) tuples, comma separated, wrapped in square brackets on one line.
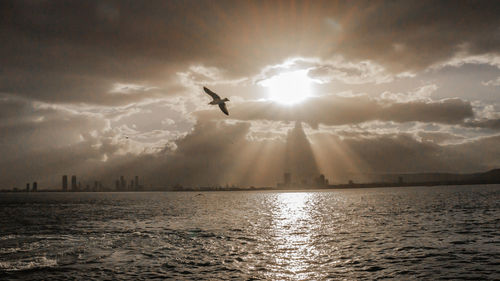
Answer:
[(217, 100)]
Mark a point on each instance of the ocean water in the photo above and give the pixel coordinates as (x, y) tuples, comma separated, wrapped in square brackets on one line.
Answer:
[(411, 233)]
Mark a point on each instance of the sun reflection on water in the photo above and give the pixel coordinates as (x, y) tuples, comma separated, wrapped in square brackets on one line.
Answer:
[(291, 230)]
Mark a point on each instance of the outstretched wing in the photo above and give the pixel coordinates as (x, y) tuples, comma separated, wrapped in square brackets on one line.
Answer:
[(223, 108), (212, 94)]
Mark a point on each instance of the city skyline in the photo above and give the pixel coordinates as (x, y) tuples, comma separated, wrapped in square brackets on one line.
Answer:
[(289, 182)]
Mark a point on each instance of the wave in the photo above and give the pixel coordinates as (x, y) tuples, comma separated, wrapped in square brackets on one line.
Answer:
[(28, 264)]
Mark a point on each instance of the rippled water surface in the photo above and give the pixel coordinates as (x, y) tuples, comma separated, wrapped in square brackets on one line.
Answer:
[(419, 233)]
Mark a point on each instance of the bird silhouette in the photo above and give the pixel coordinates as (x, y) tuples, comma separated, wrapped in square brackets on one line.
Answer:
[(217, 100)]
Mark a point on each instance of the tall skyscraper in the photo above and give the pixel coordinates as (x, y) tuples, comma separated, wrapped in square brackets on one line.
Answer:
[(117, 185), (123, 184), (65, 183), (73, 183), (34, 187), (28, 187), (321, 180), (136, 183)]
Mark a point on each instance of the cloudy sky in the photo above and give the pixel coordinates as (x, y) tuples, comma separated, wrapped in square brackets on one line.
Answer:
[(101, 89)]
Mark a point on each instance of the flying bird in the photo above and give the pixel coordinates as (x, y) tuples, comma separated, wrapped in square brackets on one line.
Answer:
[(217, 100)]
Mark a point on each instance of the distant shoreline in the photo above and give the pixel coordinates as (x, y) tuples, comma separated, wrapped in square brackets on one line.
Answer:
[(489, 177), (291, 188)]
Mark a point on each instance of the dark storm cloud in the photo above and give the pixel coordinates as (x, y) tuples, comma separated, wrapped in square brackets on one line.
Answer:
[(26, 127), (341, 110), (74, 88), (61, 50), (416, 34)]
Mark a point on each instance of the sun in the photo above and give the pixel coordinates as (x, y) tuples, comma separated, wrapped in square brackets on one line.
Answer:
[(289, 87)]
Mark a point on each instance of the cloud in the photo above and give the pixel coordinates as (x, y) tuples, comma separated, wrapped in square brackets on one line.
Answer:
[(462, 57), (418, 34), (330, 70), (439, 137), (219, 153), (128, 89), (495, 82), (486, 117), (421, 94), (361, 72), (34, 124), (96, 45), (198, 75), (168, 122), (216, 152), (340, 110), (41, 140), (493, 124)]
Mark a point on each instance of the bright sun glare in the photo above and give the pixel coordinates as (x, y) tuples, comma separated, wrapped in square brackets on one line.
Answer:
[(289, 87)]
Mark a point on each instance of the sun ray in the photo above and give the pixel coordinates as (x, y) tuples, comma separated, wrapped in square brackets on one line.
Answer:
[(336, 159)]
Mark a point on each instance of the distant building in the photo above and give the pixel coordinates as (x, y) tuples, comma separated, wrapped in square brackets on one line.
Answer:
[(400, 179), (321, 181), (117, 185), (28, 187), (35, 187), (123, 183), (65, 183), (74, 187), (136, 183), (287, 179)]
